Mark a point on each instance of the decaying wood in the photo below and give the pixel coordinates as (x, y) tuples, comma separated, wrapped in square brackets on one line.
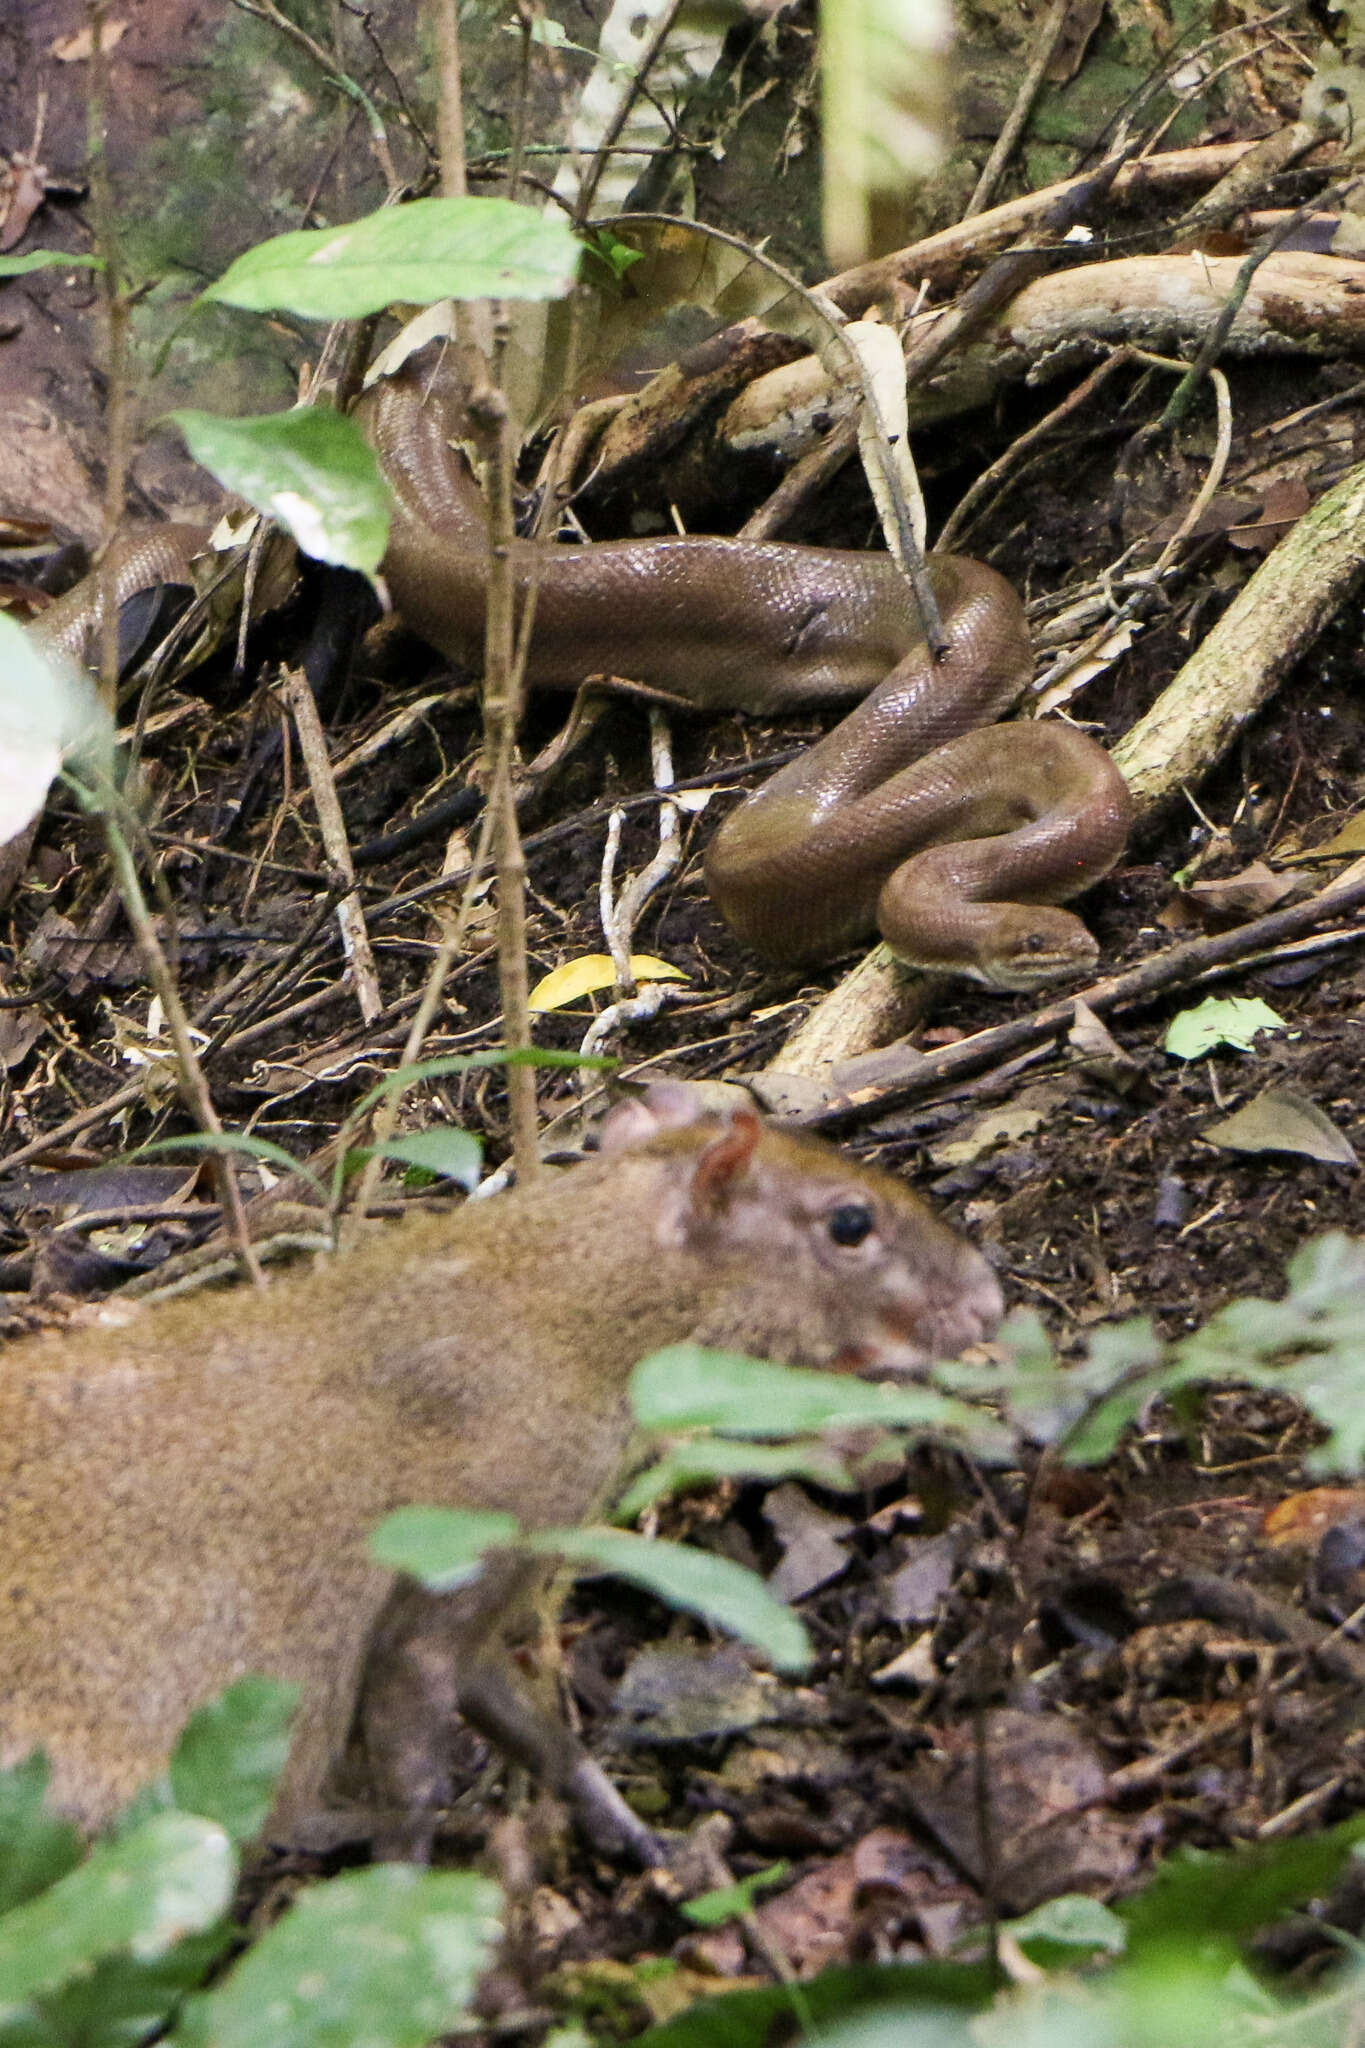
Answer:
[(1298, 304), (1274, 618), (875, 1002)]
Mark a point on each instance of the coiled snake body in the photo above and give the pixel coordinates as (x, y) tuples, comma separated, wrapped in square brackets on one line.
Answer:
[(916, 813)]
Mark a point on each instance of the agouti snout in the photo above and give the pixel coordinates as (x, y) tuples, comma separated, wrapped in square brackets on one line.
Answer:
[(185, 1498)]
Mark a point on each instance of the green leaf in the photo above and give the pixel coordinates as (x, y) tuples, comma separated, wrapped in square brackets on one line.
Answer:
[(1329, 1273), (687, 1386), (700, 1461), (722, 1593), (1220, 1020), (381, 1958), (1197, 1898), (755, 2018), (903, 2026), (1053, 1932), (443, 1547), (427, 250), (457, 1155), (607, 248), (123, 2002), (137, 1893), (713, 1909), (50, 712), (230, 1754), (36, 1846), (47, 259), (309, 469)]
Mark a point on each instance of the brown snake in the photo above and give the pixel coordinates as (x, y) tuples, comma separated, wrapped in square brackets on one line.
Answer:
[(916, 813)]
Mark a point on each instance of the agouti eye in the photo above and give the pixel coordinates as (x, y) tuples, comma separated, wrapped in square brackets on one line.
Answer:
[(850, 1223)]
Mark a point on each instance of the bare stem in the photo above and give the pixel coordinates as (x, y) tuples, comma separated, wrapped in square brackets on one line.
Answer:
[(190, 1076), (116, 333), (450, 104)]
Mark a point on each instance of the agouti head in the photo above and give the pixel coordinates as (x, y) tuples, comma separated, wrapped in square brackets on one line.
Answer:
[(824, 1241)]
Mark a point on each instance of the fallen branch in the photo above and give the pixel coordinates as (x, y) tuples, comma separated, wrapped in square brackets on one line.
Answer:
[(1298, 304), (921, 1073)]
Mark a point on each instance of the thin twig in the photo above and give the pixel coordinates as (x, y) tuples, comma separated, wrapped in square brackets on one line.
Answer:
[(193, 1087), (116, 333), (1030, 85), (355, 939)]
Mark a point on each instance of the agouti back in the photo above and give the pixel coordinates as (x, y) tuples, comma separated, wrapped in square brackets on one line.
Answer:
[(185, 1498)]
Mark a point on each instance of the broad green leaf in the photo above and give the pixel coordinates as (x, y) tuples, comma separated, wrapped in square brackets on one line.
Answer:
[(50, 712), (902, 2026), (36, 1845), (592, 972), (1329, 1272), (309, 469), (713, 1909), (456, 1155), (230, 1754), (1057, 1929), (686, 1386), (884, 74), (47, 259), (700, 1461), (442, 1547), (136, 1894), (1219, 1020), (427, 250), (123, 2002), (1197, 1897), (722, 1593), (381, 1958)]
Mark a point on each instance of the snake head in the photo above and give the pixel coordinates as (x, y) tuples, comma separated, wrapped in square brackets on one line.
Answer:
[(1032, 945)]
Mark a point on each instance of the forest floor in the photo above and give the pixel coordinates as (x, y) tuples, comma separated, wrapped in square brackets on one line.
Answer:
[(1142, 1655)]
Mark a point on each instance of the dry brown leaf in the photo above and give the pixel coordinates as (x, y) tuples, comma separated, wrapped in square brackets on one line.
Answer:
[(1282, 1121), (1301, 1520), (1233, 898)]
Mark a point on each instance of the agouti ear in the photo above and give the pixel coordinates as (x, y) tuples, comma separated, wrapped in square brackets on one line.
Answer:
[(664, 1106), (725, 1161)]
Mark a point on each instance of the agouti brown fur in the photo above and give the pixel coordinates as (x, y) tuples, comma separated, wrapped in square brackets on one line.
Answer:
[(185, 1498)]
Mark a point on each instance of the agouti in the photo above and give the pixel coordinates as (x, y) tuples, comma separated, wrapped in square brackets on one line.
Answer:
[(185, 1497)]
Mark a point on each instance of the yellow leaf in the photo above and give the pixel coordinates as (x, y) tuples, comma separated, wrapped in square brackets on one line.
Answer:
[(592, 972)]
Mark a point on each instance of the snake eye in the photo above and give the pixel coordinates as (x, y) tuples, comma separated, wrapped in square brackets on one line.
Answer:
[(850, 1223), (1036, 942)]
